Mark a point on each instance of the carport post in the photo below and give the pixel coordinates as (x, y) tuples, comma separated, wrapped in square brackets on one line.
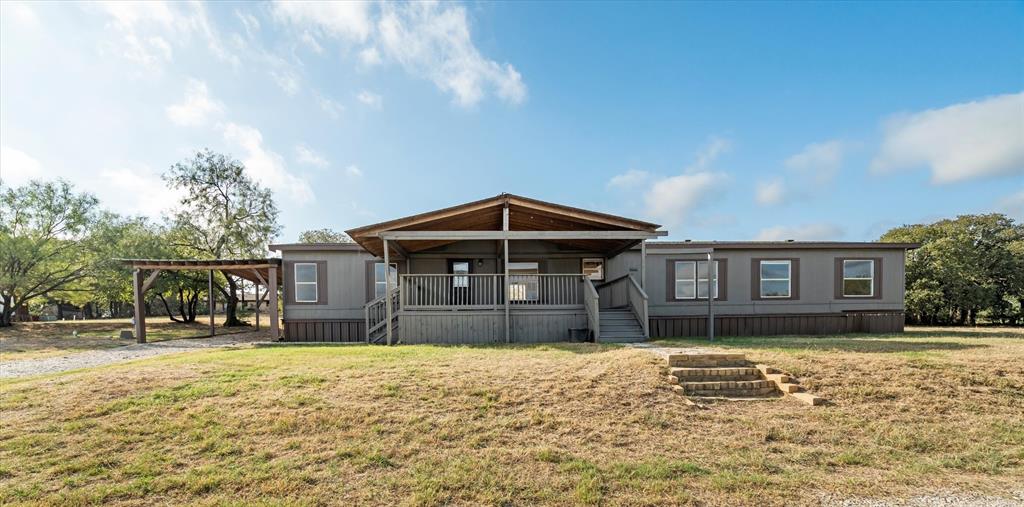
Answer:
[(209, 302), (257, 287), (275, 324), (140, 308)]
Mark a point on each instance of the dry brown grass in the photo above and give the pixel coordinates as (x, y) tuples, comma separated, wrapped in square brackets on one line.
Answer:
[(558, 424), (31, 340)]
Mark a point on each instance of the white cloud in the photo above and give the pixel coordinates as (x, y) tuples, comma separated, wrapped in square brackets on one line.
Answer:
[(808, 232), (346, 20), (629, 179), (287, 81), (672, 200), (144, 29), (369, 98), (1013, 205), (266, 166), (310, 41), (249, 22), (370, 56), (433, 40), (819, 161), (353, 171), (196, 108), (769, 193), (330, 106), (977, 139), (18, 167), (305, 155), (22, 14), (138, 191)]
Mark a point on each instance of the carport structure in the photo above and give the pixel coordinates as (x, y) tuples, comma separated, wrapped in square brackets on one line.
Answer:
[(261, 272)]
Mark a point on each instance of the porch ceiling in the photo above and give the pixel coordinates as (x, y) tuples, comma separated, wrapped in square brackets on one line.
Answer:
[(525, 214)]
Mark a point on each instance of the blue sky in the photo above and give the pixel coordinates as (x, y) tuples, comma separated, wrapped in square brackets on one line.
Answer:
[(720, 121)]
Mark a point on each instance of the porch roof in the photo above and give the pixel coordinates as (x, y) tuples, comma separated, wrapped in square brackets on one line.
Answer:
[(526, 216)]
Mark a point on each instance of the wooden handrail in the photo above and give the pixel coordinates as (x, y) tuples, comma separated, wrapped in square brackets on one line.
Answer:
[(592, 303)]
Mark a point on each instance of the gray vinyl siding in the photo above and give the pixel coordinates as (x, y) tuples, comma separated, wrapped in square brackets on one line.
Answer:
[(817, 283), (346, 285), (347, 277)]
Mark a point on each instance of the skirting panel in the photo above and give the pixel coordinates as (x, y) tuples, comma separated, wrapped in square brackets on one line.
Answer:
[(325, 330), (488, 326), (766, 325)]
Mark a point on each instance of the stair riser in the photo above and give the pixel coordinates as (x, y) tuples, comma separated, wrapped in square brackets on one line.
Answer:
[(724, 363), (718, 378), (728, 384), (734, 393)]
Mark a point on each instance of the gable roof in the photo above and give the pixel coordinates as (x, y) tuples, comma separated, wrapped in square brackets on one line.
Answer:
[(525, 214)]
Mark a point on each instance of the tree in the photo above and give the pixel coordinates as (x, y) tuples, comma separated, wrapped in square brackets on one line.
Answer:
[(966, 267), (223, 214), (45, 241), (324, 236)]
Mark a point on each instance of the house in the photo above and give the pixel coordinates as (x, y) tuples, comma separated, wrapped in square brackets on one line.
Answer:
[(515, 269)]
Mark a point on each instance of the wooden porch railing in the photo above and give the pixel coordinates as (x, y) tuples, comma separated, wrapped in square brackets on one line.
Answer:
[(592, 303), (487, 291), (625, 291), (376, 315)]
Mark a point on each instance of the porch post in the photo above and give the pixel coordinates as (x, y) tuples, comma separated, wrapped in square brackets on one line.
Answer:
[(140, 306), (275, 323), (209, 302), (504, 227), (711, 298), (643, 264), (387, 288)]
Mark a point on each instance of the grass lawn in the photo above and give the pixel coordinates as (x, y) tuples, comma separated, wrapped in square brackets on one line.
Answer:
[(555, 424), (30, 340)]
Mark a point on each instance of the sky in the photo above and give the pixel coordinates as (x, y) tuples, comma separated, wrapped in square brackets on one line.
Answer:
[(720, 121)]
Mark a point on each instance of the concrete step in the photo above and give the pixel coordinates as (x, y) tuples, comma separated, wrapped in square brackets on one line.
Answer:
[(621, 339), (622, 335), (716, 374), (707, 360)]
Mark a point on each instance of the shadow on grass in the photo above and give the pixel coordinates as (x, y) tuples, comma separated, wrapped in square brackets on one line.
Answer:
[(853, 343)]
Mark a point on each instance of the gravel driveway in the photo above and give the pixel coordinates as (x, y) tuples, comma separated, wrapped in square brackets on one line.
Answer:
[(74, 361)]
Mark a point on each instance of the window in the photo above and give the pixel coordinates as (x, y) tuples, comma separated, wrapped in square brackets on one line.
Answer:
[(593, 269), (775, 279), (692, 279), (380, 283), (522, 281), (305, 282), (460, 268), (858, 278)]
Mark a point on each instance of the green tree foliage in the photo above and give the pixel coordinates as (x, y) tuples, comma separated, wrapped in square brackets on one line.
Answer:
[(967, 268), (224, 214), (46, 236), (324, 236)]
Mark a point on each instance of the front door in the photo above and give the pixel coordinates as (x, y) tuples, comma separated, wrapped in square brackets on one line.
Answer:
[(460, 290)]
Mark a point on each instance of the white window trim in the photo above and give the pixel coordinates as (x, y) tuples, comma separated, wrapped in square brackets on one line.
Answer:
[(789, 279), (871, 279), (696, 280), (600, 260), (375, 282), (316, 277)]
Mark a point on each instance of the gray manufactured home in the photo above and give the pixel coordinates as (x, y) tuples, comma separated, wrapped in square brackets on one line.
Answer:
[(514, 269)]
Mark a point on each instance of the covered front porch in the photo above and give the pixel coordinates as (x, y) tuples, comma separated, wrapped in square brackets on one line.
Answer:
[(508, 269)]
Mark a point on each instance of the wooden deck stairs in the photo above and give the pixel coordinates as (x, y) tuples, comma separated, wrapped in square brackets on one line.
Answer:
[(620, 325)]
